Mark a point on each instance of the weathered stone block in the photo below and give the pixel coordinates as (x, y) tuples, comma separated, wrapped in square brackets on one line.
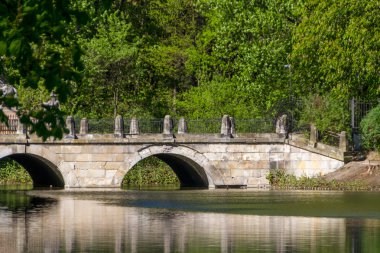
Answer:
[(223, 156), (71, 149), (282, 124), (182, 126), (218, 148), (134, 127), (83, 126), (96, 173), (70, 124), (119, 126), (113, 165), (254, 156), (110, 174), (225, 130), (168, 125)]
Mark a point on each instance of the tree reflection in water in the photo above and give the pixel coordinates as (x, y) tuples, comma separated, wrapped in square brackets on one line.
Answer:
[(91, 222)]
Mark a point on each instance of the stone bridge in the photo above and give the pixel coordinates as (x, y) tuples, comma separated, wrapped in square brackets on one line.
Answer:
[(224, 159)]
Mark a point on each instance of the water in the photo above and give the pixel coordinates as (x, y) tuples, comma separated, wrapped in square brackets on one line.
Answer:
[(188, 221)]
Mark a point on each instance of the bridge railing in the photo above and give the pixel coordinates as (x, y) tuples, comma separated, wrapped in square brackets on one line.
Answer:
[(301, 129), (193, 126), (157, 126), (101, 126), (11, 126), (254, 125), (150, 126), (198, 126), (329, 138)]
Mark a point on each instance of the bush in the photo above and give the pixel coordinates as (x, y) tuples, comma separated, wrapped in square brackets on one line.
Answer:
[(370, 129), (13, 173), (279, 179), (150, 171), (326, 113)]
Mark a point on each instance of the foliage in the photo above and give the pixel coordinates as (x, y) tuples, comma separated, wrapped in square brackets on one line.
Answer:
[(325, 112), (13, 173), (215, 99), (150, 171), (241, 53), (110, 61), (279, 179), (370, 129), (198, 59), (37, 49), (336, 48)]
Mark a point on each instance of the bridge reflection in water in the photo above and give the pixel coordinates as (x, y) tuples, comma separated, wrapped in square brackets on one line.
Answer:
[(74, 225)]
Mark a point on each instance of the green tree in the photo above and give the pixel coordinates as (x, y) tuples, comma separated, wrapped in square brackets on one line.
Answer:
[(36, 49), (336, 48), (327, 113), (110, 64), (370, 129), (136, 58), (245, 43)]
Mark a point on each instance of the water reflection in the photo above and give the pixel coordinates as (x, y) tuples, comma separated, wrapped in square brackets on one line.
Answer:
[(74, 223)]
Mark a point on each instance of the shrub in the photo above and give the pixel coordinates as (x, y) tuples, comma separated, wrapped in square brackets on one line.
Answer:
[(151, 171), (370, 129), (281, 180), (326, 112), (13, 173)]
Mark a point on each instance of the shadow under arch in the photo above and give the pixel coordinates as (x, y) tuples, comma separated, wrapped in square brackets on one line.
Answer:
[(189, 173), (43, 172)]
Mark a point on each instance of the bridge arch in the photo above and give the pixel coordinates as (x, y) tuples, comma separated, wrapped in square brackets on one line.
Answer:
[(41, 166), (191, 167)]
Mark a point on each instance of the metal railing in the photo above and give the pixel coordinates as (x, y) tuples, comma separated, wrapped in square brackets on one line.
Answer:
[(151, 126), (329, 138), (11, 128), (301, 129), (77, 124), (156, 126), (100, 126), (198, 126), (255, 125), (358, 110)]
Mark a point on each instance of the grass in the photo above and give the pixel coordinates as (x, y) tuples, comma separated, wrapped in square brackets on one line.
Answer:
[(280, 180)]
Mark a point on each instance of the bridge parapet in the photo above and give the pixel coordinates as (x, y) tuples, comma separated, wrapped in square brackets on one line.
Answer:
[(226, 126), (210, 158), (230, 130)]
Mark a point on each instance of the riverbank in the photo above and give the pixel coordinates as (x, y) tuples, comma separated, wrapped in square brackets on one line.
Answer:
[(367, 172), (354, 176)]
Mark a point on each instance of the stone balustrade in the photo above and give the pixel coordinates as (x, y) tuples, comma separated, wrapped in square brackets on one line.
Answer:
[(166, 126), (227, 125), (220, 153)]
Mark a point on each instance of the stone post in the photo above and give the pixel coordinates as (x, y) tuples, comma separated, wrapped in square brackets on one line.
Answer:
[(134, 128), (119, 126), (168, 125), (343, 144), (83, 126), (281, 124), (20, 128), (70, 124), (225, 130), (313, 136), (182, 126)]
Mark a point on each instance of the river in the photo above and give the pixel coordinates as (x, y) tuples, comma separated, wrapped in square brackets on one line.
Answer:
[(188, 221)]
